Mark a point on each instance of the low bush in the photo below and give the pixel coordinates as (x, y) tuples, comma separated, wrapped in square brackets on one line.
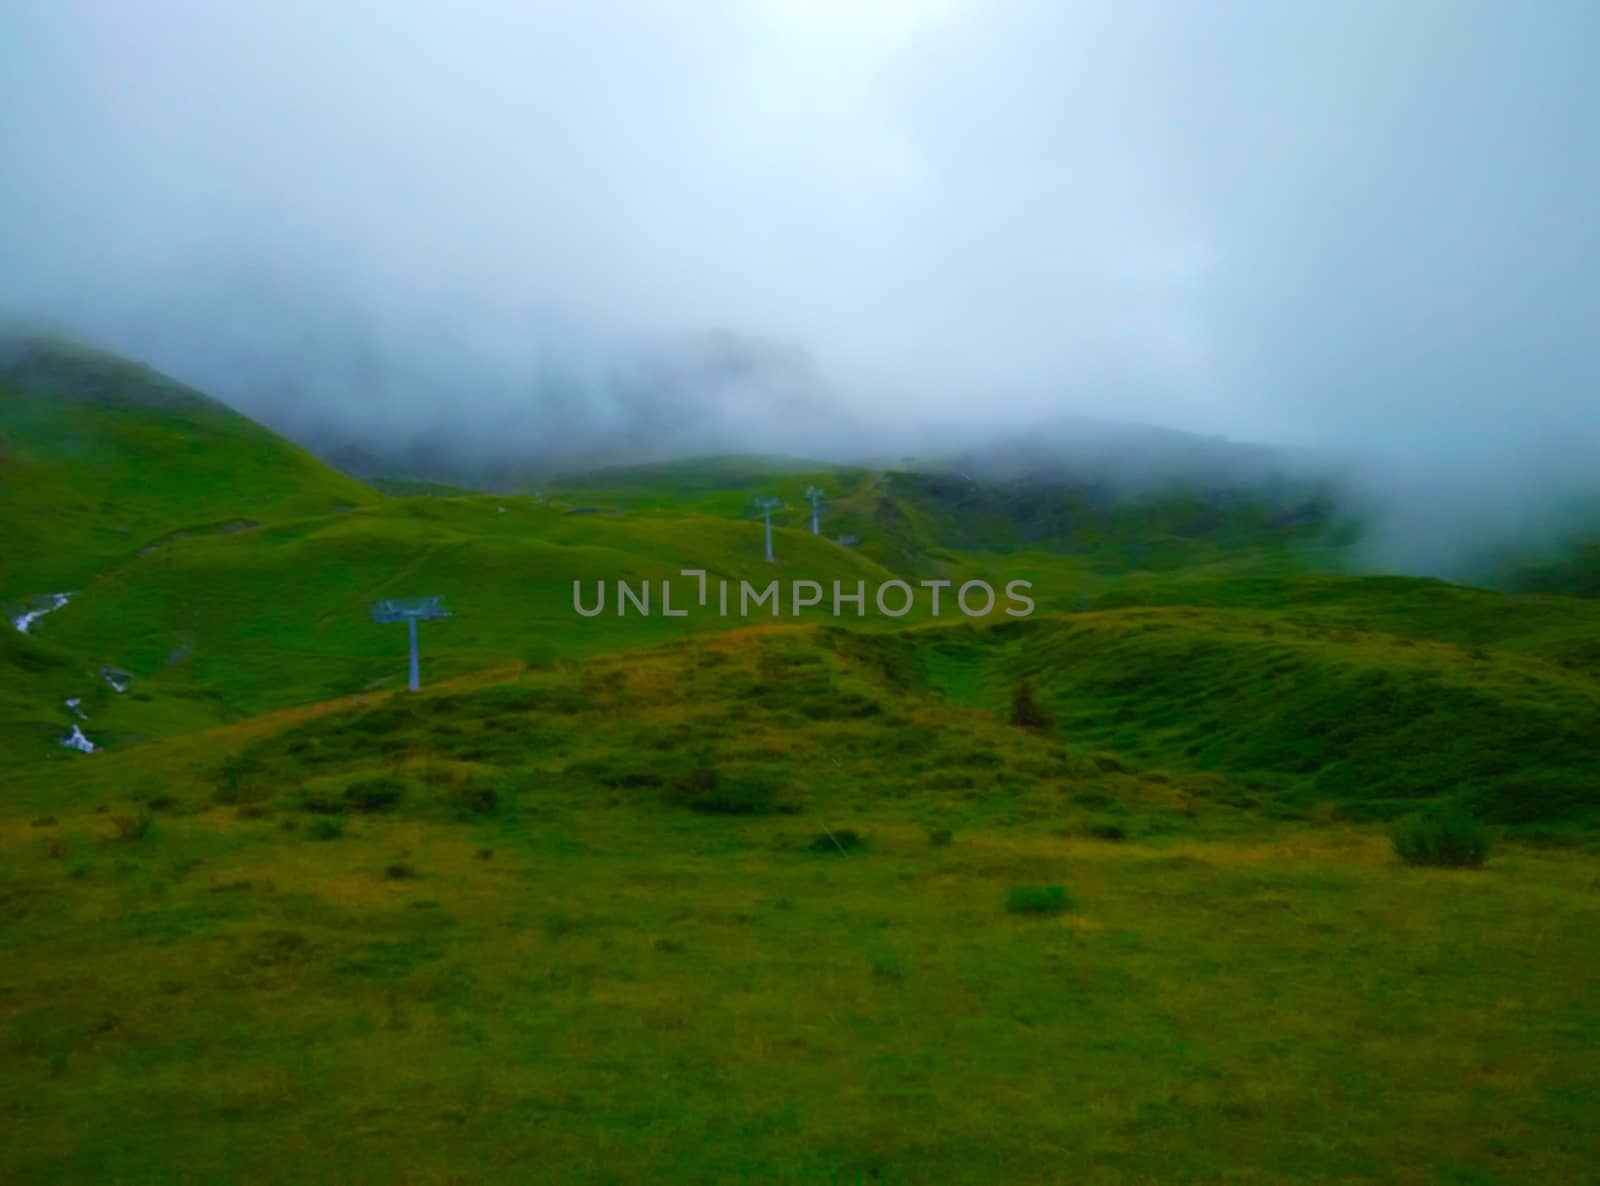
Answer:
[(374, 794), (845, 840), (1037, 899), (473, 797), (327, 828), (1449, 840), (321, 802), (751, 792), (1026, 711), (130, 829)]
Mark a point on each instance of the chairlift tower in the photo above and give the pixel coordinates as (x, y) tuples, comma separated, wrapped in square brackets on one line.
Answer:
[(766, 506), (814, 496), (410, 610)]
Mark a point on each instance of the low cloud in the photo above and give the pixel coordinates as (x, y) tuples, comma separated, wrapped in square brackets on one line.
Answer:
[(1359, 228)]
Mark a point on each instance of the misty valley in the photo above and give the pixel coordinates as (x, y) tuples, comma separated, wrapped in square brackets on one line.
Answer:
[(799, 592), (1224, 853)]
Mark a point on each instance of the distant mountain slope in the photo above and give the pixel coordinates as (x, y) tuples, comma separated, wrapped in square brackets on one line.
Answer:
[(463, 418), (1124, 456), (917, 521), (1570, 565), (101, 457)]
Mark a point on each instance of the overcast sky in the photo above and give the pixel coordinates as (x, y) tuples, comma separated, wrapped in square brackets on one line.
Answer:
[(1338, 223)]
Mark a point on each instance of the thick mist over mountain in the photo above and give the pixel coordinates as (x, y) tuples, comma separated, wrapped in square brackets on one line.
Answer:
[(476, 238), (455, 415)]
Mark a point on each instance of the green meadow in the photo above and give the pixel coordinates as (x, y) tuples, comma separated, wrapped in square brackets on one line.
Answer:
[(1106, 894)]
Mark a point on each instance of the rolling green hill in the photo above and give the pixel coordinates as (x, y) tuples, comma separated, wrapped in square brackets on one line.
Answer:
[(101, 458), (1305, 689), (1099, 894), (278, 616), (1368, 723), (925, 522)]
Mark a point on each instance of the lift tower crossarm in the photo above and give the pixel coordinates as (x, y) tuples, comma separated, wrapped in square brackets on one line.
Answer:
[(410, 610)]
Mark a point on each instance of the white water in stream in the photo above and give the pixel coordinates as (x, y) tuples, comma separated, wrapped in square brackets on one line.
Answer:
[(76, 740), (23, 623)]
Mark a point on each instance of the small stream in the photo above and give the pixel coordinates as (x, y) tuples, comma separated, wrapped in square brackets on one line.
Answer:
[(25, 622)]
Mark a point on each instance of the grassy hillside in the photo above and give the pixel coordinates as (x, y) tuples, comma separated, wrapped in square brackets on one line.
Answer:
[(1307, 691), (1563, 630), (1367, 723), (925, 523), (1572, 568), (37, 679), (101, 458), (636, 898), (736, 909), (278, 615)]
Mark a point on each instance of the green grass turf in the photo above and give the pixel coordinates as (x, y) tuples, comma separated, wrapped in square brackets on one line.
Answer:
[(582, 979)]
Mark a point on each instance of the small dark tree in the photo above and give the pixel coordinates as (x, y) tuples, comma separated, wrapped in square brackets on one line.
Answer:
[(1026, 711)]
